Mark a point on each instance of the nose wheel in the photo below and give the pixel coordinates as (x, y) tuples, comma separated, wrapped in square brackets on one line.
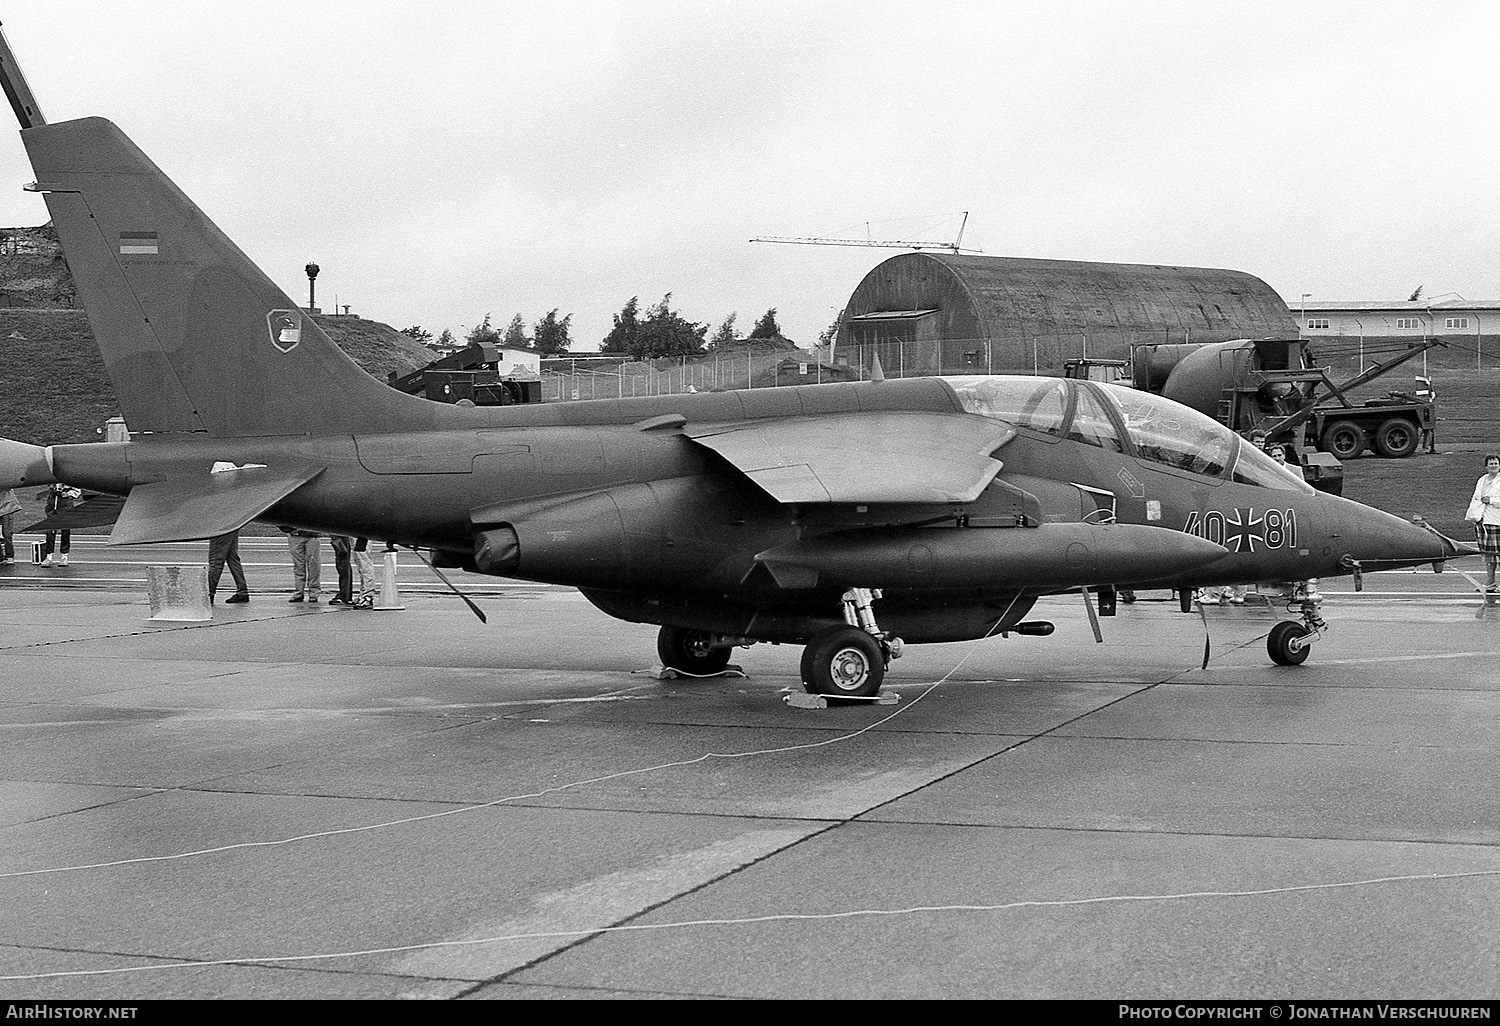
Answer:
[(1290, 640), (1287, 644)]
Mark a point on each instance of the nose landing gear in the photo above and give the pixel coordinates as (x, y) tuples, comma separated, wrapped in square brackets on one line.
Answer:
[(849, 661), (1290, 640)]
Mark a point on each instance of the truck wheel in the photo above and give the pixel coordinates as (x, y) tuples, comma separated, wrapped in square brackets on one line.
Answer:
[(1344, 438), (1397, 438)]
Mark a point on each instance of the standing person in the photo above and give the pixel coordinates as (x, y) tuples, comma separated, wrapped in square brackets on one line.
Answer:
[(59, 497), (342, 546), (307, 565), (9, 507), (366, 567), (1484, 514), (1277, 452), (223, 551)]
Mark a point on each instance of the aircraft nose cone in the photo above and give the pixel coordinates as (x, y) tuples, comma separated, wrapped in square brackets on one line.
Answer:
[(1379, 540)]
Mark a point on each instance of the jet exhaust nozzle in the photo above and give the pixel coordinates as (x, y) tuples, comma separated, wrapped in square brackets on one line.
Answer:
[(22, 465)]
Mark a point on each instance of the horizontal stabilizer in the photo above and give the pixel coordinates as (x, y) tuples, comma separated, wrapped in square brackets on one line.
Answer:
[(95, 511), (867, 457), (203, 505)]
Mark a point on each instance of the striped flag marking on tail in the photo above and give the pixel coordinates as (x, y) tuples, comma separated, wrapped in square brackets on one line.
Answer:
[(139, 244)]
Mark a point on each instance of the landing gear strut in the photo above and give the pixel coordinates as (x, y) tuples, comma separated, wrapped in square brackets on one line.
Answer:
[(850, 660)]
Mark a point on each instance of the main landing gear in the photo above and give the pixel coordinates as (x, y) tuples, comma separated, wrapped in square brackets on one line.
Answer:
[(849, 661), (1290, 640), (698, 653)]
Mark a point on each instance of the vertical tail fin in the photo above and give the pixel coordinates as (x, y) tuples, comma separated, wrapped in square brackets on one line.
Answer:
[(194, 335)]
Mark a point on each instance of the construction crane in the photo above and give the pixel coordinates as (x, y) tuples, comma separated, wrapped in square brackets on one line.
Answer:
[(956, 246)]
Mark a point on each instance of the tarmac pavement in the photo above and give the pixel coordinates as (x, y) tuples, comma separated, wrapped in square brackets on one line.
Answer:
[(295, 801)]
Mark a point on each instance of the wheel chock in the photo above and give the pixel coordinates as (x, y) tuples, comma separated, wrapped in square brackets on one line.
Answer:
[(660, 672), (800, 699)]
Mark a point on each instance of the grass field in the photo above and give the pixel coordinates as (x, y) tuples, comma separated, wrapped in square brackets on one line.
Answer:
[(1437, 487)]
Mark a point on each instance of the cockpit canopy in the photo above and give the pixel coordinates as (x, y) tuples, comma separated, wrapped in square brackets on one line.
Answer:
[(1124, 420)]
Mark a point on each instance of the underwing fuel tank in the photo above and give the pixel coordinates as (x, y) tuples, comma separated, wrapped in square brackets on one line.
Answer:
[(1052, 556)]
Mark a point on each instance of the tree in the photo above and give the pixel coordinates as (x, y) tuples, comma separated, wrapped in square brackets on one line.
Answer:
[(446, 339), (725, 335), (766, 327), (1416, 295), (551, 336), (663, 332), (515, 334), (417, 332), (830, 334), (483, 334), (624, 337)]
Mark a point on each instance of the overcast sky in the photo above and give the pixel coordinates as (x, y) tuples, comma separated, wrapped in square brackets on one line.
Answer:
[(441, 161)]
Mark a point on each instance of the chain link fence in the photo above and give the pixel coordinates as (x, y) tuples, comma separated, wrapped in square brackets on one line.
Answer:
[(586, 377), (569, 378)]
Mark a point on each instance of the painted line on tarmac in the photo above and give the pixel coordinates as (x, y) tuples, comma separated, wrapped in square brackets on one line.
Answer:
[(1424, 657)]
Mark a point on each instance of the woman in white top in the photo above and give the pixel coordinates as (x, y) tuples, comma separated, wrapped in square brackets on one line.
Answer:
[(1484, 513)]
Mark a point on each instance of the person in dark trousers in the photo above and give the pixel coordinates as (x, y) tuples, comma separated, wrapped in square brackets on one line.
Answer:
[(223, 551), (9, 507), (59, 497), (342, 545)]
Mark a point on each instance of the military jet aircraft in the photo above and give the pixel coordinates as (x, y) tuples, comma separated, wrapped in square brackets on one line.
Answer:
[(850, 517)]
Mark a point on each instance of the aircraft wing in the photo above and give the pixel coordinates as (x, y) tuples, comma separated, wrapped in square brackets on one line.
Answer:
[(867, 457), (202, 505)]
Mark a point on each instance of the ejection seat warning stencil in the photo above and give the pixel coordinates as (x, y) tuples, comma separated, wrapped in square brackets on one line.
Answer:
[(286, 329)]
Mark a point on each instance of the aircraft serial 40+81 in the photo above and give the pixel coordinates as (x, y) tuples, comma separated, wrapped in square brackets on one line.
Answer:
[(845, 517)]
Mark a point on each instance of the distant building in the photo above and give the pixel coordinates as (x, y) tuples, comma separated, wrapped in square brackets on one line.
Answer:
[(1398, 319), (929, 313), (1360, 332), (513, 363)]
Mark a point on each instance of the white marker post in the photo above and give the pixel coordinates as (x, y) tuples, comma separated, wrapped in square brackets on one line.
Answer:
[(389, 597), (178, 593)]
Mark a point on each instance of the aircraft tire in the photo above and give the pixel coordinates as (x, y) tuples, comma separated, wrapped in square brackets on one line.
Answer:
[(1279, 644), (691, 651), (1397, 438), (843, 662), (1345, 439)]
